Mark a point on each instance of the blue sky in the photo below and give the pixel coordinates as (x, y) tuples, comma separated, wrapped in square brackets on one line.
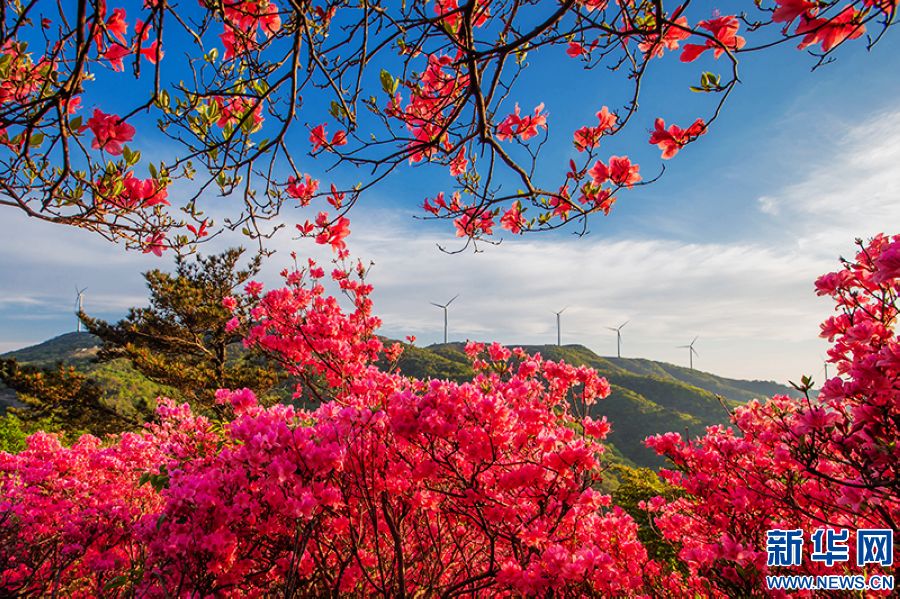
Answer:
[(726, 246)]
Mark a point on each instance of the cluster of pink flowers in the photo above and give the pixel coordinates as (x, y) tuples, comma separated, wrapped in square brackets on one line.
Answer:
[(243, 20), (393, 486), (110, 132), (130, 192), (829, 461), (452, 116), (111, 38)]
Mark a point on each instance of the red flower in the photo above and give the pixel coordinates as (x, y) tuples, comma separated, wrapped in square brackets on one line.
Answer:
[(674, 138), (599, 173), (575, 50), (318, 137), (110, 132), (589, 137), (724, 29), (155, 245), (199, 231), (115, 54), (512, 219), (788, 10), (623, 172), (831, 32), (523, 127), (116, 24), (303, 190), (145, 192), (459, 163), (150, 52), (333, 234), (339, 139), (672, 36)]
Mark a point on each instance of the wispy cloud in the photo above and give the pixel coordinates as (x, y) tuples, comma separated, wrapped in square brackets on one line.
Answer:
[(853, 189), (750, 301)]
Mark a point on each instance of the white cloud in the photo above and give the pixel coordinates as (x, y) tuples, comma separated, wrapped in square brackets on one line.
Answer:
[(768, 205), (751, 302), (852, 190)]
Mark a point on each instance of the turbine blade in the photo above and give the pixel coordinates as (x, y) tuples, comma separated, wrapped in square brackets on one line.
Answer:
[(695, 352), (451, 301), (695, 340), (624, 323), (437, 305)]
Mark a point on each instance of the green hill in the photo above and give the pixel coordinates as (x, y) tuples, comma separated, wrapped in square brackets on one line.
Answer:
[(647, 397), (69, 348), (125, 388)]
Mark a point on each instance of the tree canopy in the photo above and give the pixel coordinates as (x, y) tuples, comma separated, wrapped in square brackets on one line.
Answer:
[(185, 338), (250, 97)]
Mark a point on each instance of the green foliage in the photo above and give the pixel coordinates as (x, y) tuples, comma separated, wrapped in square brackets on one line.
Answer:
[(126, 390), (12, 434), (181, 340), (647, 397), (63, 395), (14, 431), (638, 485)]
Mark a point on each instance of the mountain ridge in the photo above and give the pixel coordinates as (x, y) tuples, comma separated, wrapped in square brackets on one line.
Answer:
[(648, 397)]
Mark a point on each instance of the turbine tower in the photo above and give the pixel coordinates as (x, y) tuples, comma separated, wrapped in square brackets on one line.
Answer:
[(691, 351), (825, 361), (79, 305), (444, 308), (618, 331), (558, 327)]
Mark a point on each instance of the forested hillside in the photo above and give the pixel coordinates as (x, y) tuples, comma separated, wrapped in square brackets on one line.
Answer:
[(647, 397)]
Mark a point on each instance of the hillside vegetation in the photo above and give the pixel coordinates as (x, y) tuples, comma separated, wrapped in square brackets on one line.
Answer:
[(647, 397)]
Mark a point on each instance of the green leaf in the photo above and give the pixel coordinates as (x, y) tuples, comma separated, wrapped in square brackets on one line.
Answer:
[(388, 83), (131, 157), (36, 140), (163, 100), (114, 583)]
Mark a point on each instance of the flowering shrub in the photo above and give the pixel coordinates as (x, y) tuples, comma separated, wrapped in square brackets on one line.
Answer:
[(395, 486), (830, 461)]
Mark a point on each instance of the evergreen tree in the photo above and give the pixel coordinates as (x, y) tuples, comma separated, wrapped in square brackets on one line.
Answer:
[(181, 339), (63, 399)]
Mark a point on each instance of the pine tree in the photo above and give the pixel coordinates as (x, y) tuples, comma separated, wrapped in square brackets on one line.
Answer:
[(181, 339), (63, 399)]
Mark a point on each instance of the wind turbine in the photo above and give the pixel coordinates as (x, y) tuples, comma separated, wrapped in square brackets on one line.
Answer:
[(558, 328), (444, 308), (618, 331), (825, 361), (79, 304), (691, 351)]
